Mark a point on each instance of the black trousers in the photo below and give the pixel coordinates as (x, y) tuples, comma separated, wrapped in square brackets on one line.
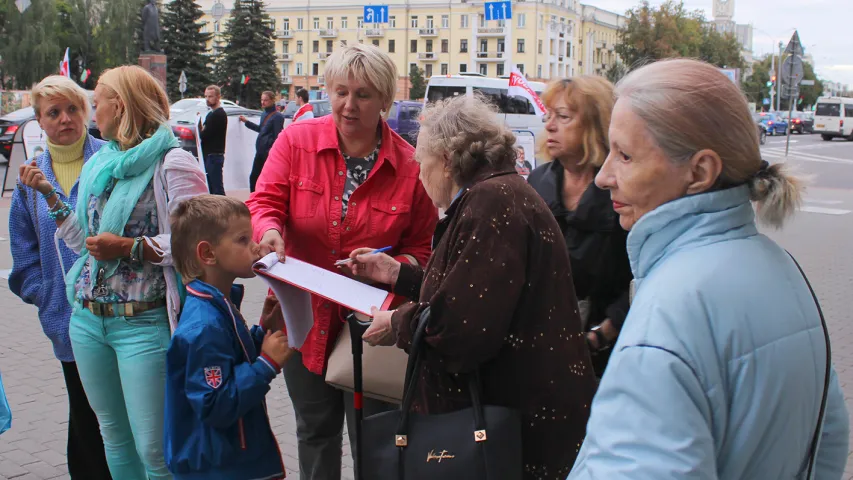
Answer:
[(257, 167), (86, 458)]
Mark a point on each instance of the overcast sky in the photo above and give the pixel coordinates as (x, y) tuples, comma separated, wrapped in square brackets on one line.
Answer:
[(824, 26)]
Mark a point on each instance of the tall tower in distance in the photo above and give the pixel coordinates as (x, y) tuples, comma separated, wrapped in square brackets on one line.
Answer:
[(724, 10)]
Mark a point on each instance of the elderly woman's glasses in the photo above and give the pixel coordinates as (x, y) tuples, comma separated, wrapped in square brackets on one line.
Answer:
[(561, 117)]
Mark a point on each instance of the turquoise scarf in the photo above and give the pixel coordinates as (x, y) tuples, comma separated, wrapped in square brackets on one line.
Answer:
[(132, 170)]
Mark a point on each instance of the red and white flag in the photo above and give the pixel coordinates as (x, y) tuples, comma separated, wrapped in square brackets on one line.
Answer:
[(518, 86), (65, 65)]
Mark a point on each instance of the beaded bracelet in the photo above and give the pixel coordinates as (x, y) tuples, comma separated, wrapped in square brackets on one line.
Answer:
[(60, 214), (49, 194)]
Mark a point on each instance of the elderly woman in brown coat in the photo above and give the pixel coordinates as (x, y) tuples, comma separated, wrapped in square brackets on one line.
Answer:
[(499, 287)]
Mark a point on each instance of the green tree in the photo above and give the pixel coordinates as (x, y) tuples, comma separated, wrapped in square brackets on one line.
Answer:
[(186, 48), (653, 33), (75, 31), (30, 50), (756, 90), (249, 51), (417, 88), (116, 33), (615, 72)]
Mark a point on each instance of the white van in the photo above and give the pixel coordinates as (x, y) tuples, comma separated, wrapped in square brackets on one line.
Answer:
[(516, 112), (833, 117)]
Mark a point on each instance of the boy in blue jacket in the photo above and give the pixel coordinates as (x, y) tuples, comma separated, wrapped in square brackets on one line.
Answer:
[(218, 370)]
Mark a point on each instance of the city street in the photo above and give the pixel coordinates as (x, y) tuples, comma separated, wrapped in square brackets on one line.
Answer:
[(820, 237)]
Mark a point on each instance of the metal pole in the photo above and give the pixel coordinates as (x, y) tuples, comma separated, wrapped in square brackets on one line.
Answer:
[(790, 98), (773, 85), (779, 78)]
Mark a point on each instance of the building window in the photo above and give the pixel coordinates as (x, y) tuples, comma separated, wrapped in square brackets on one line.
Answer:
[(285, 46), (484, 70), (299, 46), (500, 67), (484, 45), (445, 45), (414, 21), (463, 45), (539, 71), (520, 45), (392, 21), (360, 22), (541, 22), (316, 23), (299, 24), (540, 46), (481, 20), (520, 67), (429, 22), (330, 22), (344, 23), (429, 46), (463, 21), (315, 69), (329, 46), (444, 69), (445, 21), (285, 69), (522, 20), (376, 43), (299, 68), (413, 46), (463, 68), (392, 46), (501, 45), (413, 66), (315, 46), (428, 70), (285, 24), (216, 27)]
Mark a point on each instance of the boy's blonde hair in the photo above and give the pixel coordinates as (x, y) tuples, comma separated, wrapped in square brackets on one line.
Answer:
[(204, 218)]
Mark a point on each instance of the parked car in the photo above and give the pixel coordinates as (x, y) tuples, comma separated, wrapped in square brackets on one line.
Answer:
[(404, 118), (184, 124), (802, 122), (321, 108), (774, 123), (194, 105)]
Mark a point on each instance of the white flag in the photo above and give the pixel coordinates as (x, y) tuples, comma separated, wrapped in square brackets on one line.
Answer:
[(65, 65), (518, 87)]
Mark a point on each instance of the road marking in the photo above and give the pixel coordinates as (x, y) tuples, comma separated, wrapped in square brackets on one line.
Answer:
[(823, 202), (3, 239), (824, 210), (5, 274), (809, 157)]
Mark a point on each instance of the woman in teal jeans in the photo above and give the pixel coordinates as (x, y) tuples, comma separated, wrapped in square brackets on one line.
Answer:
[(124, 290)]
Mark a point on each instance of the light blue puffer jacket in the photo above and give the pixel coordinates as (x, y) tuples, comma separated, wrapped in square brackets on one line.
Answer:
[(719, 369)]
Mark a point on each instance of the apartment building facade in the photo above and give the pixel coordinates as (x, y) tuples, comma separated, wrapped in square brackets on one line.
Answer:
[(542, 39)]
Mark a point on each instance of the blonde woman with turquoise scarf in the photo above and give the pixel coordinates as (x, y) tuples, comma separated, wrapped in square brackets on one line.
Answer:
[(124, 291)]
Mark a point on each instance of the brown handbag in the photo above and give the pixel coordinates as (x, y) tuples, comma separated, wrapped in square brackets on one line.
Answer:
[(384, 369)]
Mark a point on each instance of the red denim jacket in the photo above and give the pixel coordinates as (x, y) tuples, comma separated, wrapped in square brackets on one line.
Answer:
[(299, 194)]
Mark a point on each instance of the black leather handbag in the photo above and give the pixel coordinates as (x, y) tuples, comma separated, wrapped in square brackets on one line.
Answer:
[(482, 442)]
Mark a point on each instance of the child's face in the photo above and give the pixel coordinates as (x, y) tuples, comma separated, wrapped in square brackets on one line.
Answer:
[(236, 252)]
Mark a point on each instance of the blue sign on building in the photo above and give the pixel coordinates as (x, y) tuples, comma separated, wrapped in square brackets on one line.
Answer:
[(376, 14), (498, 10)]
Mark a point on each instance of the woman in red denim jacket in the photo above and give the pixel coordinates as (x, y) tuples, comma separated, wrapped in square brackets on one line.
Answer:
[(331, 185)]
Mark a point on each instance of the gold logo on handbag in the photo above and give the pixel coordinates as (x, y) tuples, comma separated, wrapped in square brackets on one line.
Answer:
[(442, 455)]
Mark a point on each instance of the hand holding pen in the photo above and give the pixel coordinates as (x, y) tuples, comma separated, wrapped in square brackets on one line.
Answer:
[(373, 265)]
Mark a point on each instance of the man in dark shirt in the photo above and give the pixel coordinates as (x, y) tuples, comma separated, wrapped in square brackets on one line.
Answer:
[(271, 125), (212, 131)]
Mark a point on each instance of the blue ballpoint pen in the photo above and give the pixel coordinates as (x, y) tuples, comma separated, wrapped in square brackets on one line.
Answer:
[(347, 260)]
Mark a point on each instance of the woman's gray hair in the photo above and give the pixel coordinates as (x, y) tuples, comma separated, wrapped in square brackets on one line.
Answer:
[(60, 86), (467, 131), (689, 106), (368, 64)]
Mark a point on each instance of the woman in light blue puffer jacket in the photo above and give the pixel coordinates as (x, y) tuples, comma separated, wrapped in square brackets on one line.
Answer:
[(719, 371)]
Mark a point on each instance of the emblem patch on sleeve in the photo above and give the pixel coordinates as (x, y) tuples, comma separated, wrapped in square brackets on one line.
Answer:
[(213, 376)]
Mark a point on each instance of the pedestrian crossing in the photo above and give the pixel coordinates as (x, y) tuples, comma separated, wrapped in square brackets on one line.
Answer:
[(779, 153)]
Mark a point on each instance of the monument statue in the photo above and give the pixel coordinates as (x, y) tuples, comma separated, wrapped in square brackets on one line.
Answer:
[(150, 27)]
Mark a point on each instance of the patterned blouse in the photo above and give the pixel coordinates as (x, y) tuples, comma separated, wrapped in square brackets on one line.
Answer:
[(358, 169), (131, 282)]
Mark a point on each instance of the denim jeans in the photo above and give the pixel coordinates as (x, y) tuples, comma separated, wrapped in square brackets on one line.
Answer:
[(213, 163), (122, 363)]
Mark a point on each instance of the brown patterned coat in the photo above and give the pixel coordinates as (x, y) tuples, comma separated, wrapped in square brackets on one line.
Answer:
[(501, 297)]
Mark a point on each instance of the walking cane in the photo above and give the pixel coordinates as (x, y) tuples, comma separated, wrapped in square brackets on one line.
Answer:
[(357, 329)]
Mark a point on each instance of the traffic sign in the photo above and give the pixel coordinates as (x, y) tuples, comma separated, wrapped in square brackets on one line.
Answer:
[(795, 76), (498, 10), (766, 101), (22, 5), (182, 83), (795, 47), (807, 83), (376, 14)]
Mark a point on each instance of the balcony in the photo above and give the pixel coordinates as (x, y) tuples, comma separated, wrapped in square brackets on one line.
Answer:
[(491, 31), (323, 55), (490, 56), (284, 57), (284, 33), (286, 80), (374, 33), (321, 80), (600, 45), (427, 56), (558, 28), (428, 32), (327, 33)]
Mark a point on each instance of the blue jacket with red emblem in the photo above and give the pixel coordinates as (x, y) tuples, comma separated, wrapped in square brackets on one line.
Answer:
[(216, 424)]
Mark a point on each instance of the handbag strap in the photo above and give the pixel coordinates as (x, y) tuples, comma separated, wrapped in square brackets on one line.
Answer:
[(822, 411)]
